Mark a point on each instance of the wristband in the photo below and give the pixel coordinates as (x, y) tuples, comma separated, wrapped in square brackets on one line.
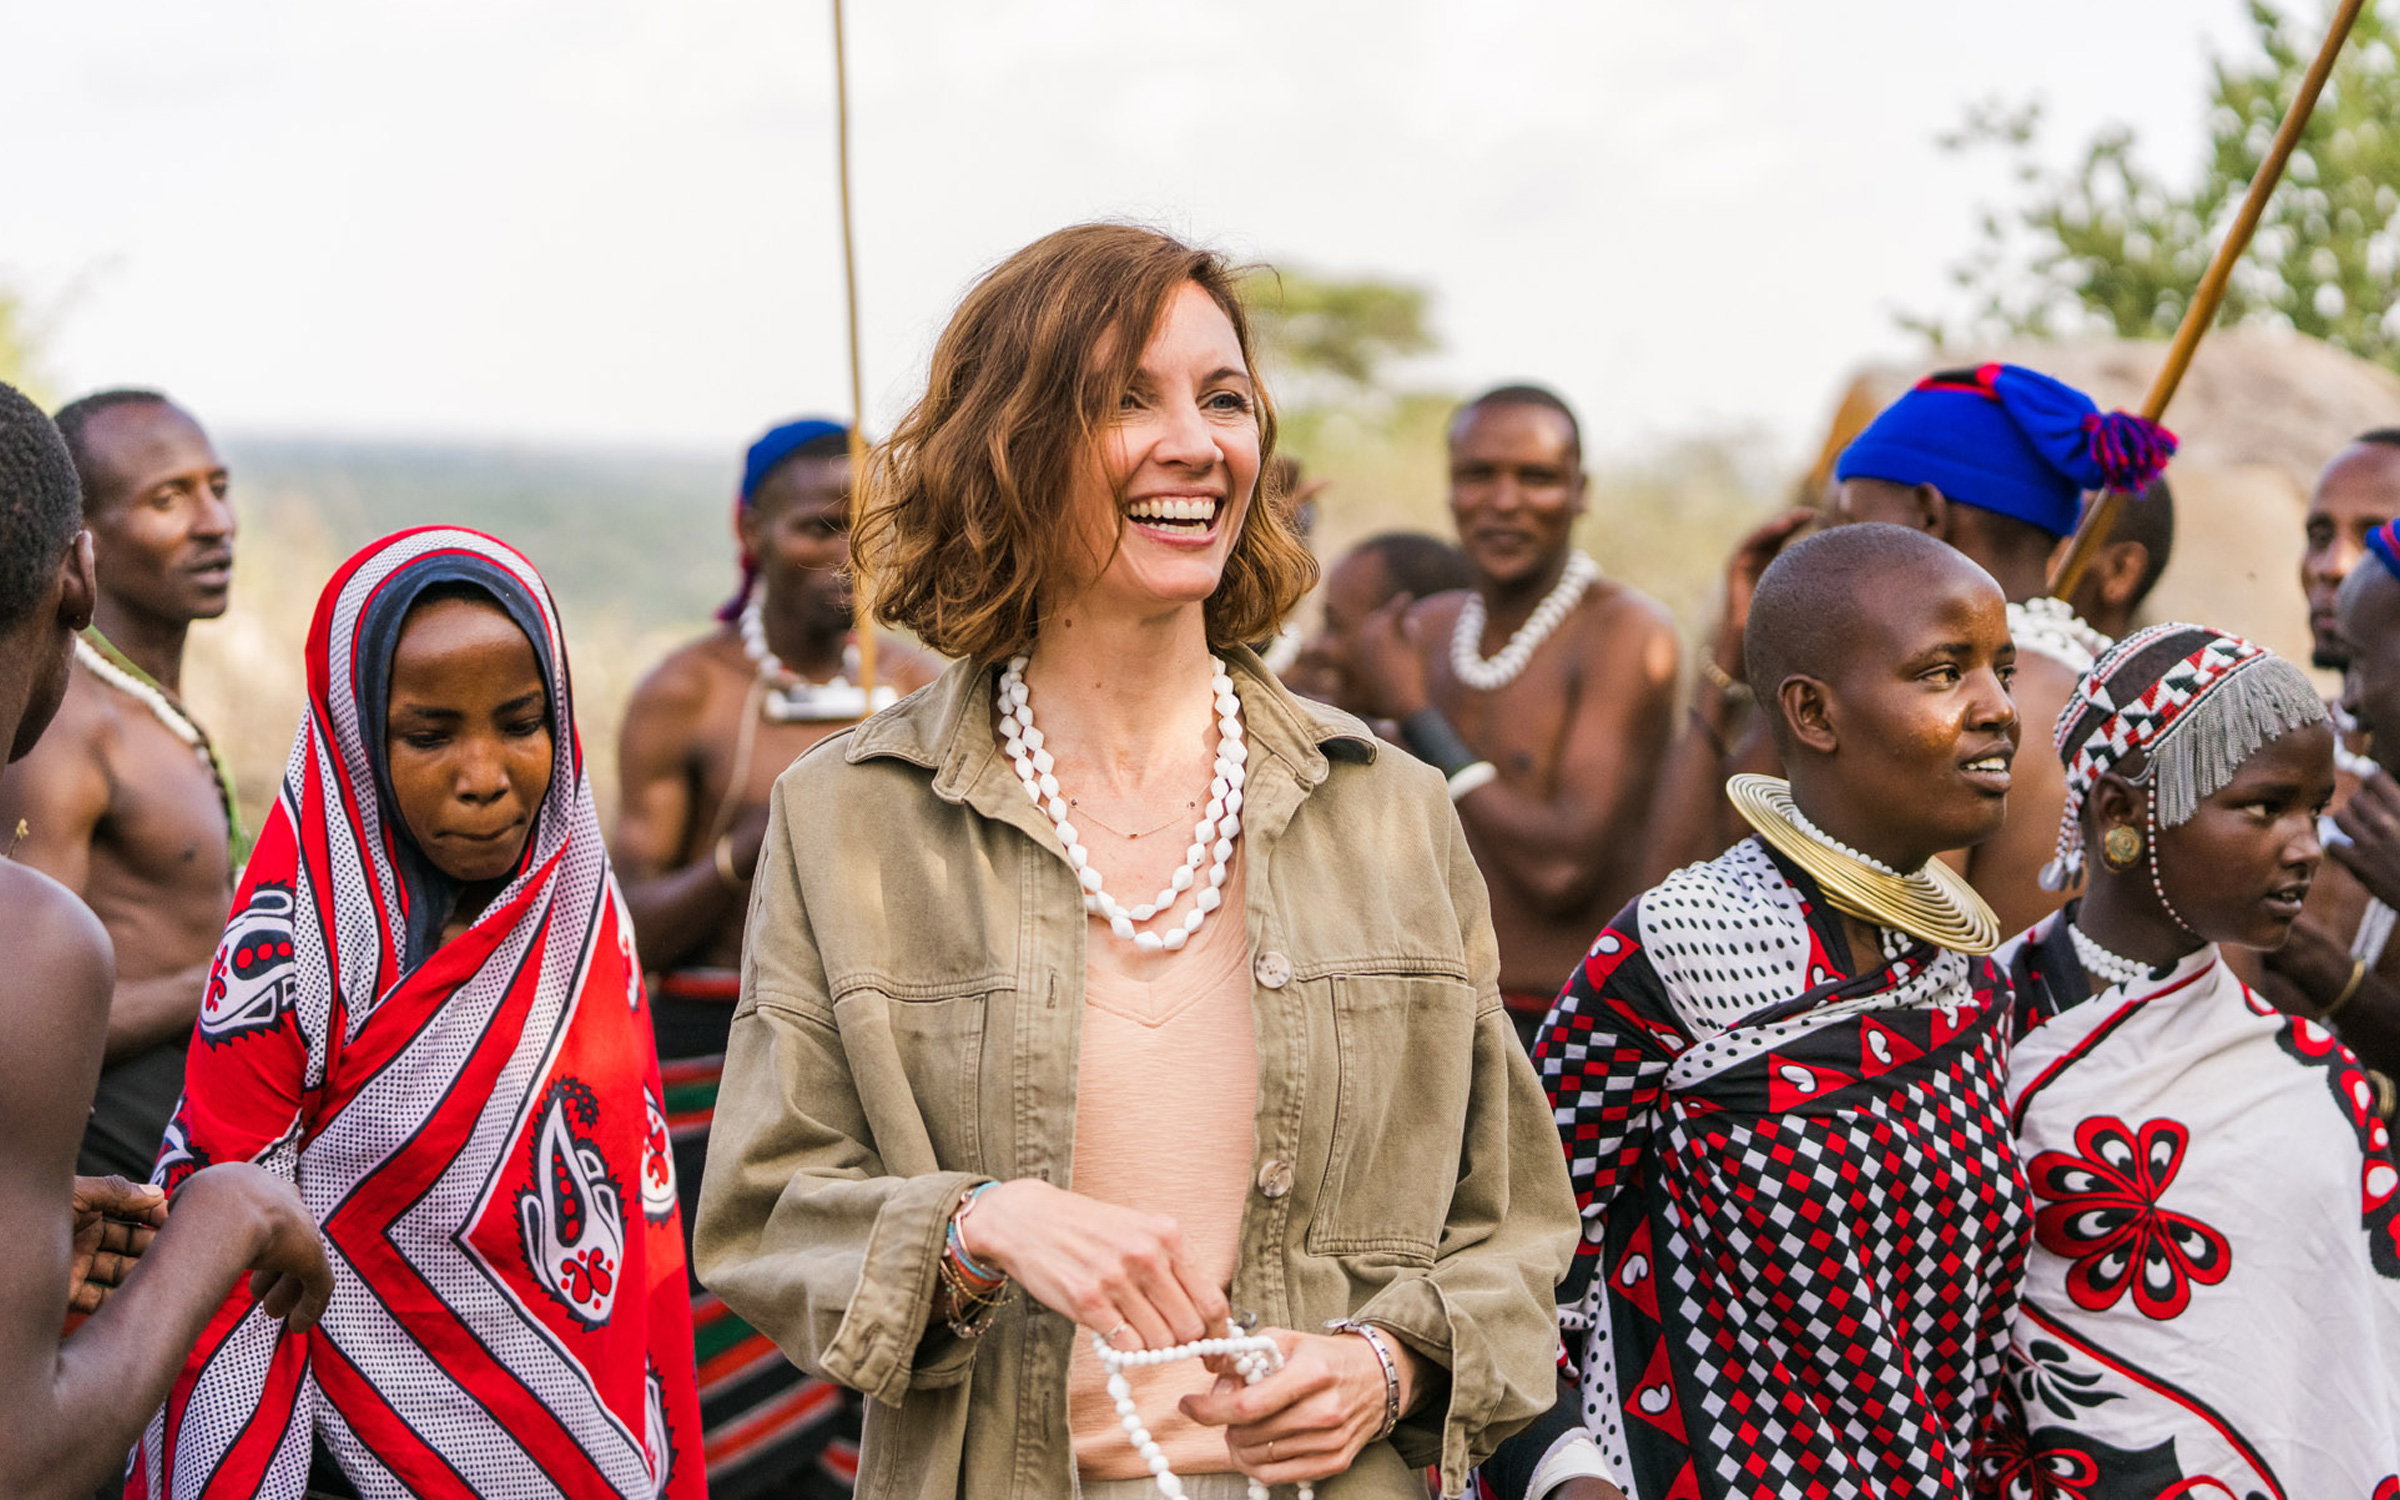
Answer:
[(1430, 736), (727, 876), (2350, 988), (1723, 681), (1470, 778), (1383, 1357)]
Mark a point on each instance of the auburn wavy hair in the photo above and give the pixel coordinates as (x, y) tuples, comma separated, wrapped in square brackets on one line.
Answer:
[(960, 531)]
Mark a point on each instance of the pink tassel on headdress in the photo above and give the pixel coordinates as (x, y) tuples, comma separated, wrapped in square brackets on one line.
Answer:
[(2130, 450)]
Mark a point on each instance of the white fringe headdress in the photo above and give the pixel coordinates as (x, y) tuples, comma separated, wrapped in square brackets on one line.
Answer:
[(2196, 702)]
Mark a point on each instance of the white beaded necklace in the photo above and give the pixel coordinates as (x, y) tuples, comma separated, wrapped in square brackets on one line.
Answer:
[(2052, 628), (2113, 968), (178, 724), (1254, 1358), (1466, 638), (1212, 837), (790, 697)]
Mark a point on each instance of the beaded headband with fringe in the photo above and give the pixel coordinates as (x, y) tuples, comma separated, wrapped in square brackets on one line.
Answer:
[(2197, 702)]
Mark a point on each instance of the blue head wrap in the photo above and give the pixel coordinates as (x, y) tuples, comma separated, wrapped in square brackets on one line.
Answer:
[(779, 444), (2384, 542), (2007, 439)]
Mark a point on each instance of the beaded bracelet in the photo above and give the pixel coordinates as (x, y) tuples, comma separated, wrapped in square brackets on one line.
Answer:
[(975, 1293)]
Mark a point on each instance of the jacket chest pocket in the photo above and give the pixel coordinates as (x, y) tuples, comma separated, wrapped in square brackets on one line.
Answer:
[(1405, 1045), (917, 1062)]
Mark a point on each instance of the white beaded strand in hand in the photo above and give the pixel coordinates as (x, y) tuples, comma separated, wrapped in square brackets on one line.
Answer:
[(1212, 837), (1466, 638), (1254, 1357)]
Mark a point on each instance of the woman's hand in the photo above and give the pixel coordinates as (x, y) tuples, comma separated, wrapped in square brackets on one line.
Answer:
[(1308, 1420), (1124, 1275)]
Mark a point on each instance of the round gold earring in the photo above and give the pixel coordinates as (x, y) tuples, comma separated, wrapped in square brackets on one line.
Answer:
[(2121, 847)]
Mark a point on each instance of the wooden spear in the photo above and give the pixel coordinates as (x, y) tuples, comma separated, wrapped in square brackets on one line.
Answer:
[(2093, 533), (861, 605)]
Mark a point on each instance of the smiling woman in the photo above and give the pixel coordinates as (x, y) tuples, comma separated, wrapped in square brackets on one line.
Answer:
[(1008, 1028)]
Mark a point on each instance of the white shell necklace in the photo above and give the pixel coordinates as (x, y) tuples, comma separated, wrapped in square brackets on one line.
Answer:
[(791, 698), (1212, 837), (1466, 638), (1255, 1357), (2113, 969), (1894, 941), (2050, 627)]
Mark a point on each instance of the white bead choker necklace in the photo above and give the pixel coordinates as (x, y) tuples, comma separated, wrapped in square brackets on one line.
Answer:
[(1212, 837), (2112, 969), (1255, 1357), (791, 698), (1466, 638)]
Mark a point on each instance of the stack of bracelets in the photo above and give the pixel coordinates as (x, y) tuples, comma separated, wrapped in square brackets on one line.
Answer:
[(975, 1293)]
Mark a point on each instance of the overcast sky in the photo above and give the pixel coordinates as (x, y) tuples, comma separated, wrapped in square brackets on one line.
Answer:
[(615, 222)]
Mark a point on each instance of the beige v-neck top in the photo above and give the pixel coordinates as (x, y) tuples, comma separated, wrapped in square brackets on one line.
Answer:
[(1166, 1110)]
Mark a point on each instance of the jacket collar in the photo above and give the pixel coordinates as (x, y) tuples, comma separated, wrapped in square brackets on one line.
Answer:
[(947, 729)]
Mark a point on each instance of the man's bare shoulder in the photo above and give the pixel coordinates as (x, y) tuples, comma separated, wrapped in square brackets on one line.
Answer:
[(61, 963), (690, 677), (1620, 625), (1438, 612), (2042, 688), (90, 719)]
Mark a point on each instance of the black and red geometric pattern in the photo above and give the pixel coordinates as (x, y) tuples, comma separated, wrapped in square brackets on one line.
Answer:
[(1803, 1223)]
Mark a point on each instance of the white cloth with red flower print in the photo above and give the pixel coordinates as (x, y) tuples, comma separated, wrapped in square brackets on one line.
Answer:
[(2212, 1303)]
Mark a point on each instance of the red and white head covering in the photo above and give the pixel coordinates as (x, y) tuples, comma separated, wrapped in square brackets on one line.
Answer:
[(2193, 701), (475, 1124)]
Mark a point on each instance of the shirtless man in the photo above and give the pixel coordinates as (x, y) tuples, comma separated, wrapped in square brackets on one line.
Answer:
[(69, 1410), (1552, 745), (2337, 938), (704, 738), (122, 803)]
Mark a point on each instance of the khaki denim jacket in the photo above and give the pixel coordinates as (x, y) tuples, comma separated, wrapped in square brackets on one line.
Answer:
[(912, 997)]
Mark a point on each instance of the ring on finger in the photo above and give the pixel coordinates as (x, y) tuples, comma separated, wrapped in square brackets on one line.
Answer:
[(1110, 1337), (1270, 1452)]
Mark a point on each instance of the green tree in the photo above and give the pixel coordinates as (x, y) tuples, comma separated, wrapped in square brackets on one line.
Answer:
[(2110, 245), (20, 364), (1339, 332)]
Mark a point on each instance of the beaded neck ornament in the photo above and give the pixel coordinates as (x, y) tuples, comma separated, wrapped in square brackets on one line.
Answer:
[(1466, 638), (788, 697), (1254, 1357), (1933, 903), (104, 661)]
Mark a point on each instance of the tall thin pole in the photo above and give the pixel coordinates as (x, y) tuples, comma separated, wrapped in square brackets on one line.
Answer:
[(862, 606), (2093, 533)]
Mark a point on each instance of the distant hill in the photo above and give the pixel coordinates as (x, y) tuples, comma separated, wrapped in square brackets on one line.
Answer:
[(643, 536)]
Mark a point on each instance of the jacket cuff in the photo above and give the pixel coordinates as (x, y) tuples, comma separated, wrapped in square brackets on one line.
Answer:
[(1448, 1430), (886, 1342)]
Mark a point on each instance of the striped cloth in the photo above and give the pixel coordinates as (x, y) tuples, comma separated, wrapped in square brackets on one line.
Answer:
[(767, 1429)]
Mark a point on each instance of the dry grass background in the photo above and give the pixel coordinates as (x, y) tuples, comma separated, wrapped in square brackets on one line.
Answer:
[(637, 549)]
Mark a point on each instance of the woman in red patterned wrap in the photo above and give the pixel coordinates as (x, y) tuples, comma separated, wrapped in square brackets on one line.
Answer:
[(426, 1012)]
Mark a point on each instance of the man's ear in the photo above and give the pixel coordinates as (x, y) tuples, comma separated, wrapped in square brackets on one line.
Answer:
[(78, 584), (1807, 708), (2121, 568), (750, 530), (1933, 510), (1580, 492)]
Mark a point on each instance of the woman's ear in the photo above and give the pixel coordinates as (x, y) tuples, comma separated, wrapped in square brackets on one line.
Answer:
[(1807, 707), (2114, 802)]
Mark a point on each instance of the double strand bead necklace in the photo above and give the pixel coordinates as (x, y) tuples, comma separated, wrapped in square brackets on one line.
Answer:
[(1255, 1357), (1466, 638), (2113, 968), (1212, 837), (791, 697)]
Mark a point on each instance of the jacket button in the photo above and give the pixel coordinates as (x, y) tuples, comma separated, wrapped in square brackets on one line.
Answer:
[(1275, 1179), (1274, 970)]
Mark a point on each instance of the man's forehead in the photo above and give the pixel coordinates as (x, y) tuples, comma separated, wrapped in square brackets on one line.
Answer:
[(146, 441), (807, 483), (1511, 427), (2364, 479)]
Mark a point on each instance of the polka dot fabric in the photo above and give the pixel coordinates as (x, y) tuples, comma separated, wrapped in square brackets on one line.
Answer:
[(1802, 1213)]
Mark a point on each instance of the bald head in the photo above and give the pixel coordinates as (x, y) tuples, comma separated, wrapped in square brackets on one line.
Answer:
[(1815, 603)]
